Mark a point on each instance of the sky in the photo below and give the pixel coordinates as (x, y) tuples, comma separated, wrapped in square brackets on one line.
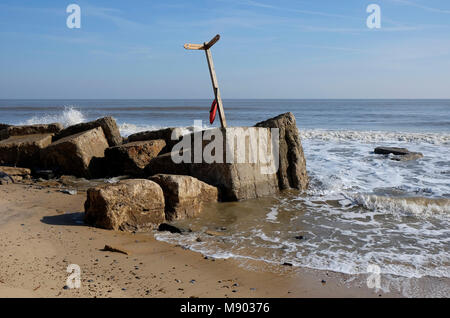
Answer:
[(268, 49)]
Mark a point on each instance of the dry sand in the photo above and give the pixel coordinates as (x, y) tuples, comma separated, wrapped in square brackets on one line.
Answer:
[(41, 233)]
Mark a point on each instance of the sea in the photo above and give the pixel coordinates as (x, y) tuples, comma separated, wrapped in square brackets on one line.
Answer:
[(362, 213)]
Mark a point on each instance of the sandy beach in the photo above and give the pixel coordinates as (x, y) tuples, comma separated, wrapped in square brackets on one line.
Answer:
[(42, 232)]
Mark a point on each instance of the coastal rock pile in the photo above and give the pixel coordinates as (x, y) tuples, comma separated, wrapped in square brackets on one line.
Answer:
[(168, 188)]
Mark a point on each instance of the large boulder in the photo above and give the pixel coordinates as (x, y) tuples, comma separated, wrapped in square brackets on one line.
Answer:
[(73, 154), (23, 150), (3, 131), (108, 124), (292, 169), (170, 135), (237, 179), (131, 158), (184, 195), (39, 129), (130, 205), (34, 129)]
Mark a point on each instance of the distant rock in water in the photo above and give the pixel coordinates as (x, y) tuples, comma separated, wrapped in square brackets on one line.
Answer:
[(400, 154)]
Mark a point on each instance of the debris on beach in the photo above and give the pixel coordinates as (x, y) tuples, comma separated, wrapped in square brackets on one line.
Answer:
[(115, 249)]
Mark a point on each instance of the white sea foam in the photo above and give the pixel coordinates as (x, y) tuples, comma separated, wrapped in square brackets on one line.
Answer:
[(376, 136), (419, 207), (67, 117), (129, 129)]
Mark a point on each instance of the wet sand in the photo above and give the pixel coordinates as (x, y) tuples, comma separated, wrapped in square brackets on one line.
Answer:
[(42, 232)]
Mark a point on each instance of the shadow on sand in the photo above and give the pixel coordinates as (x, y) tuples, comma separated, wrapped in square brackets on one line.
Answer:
[(72, 219)]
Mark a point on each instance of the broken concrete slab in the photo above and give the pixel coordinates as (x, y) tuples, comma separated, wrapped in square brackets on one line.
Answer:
[(129, 205)]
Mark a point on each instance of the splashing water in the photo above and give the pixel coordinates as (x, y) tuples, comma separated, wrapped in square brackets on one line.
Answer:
[(68, 117)]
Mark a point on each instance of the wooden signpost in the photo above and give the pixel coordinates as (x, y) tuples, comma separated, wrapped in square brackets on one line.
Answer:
[(206, 46)]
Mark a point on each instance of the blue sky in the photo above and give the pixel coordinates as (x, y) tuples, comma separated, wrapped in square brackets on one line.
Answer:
[(268, 49)]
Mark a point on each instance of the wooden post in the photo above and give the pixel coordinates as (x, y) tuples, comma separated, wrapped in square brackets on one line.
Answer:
[(206, 46)]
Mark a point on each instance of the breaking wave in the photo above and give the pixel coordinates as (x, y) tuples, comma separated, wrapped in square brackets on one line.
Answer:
[(69, 116), (418, 206), (375, 136)]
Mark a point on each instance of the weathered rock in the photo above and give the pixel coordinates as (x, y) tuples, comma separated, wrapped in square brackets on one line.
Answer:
[(108, 124), (130, 205), (184, 195), (23, 151), (391, 150), (292, 168), (236, 179), (132, 158), (164, 134), (14, 173), (399, 154), (38, 129), (408, 156), (4, 126), (3, 131), (73, 154)]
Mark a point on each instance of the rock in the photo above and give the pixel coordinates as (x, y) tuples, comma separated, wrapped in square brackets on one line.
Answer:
[(73, 154), (15, 171), (14, 174), (408, 156), (292, 169), (4, 126), (164, 227), (113, 249), (132, 158), (213, 233), (391, 150), (236, 179), (5, 178), (129, 205), (39, 129), (184, 195), (108, 124), (164, 134), (3, 131), (399, 154), (23, 150)]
